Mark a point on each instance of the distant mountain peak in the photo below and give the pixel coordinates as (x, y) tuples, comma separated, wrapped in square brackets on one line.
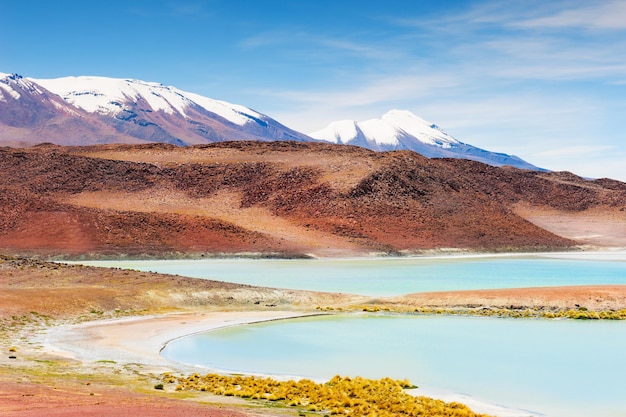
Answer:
[(12, 76), (109, 96), (124, 110), (403, 130), (13, 83)]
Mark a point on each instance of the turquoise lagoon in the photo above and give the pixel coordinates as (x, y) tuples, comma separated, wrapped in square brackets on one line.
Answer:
[(397, 276), (556, 368)]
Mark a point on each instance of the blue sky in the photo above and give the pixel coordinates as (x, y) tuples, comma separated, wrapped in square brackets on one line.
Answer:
[(544, 80)]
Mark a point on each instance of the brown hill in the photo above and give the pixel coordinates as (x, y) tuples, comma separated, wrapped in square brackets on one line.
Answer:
[(288, 198)]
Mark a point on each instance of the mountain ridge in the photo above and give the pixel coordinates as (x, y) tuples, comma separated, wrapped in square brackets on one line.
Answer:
[(83, 110)]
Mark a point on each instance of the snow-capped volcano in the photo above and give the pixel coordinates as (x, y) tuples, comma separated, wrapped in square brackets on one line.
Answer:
[(88, 110), (112, 96), (401, 129), (84, 110), (386, 132)]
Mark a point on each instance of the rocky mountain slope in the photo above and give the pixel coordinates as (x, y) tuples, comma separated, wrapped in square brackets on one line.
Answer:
[(284, 198)]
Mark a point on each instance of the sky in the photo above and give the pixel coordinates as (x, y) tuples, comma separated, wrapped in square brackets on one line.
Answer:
[(543, 80)]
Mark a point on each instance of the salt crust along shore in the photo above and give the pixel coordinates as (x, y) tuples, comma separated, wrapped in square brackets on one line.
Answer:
[(603, 254), (140, 340)]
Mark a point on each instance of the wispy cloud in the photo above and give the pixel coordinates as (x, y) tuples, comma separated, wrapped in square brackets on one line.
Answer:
[(531, 40), (598, 15), (538, 14), (585, 160), (305, 43), (586, 151), (271, 38), (478, 48), (362, 49), (547, 58), (369, 92), (182, 9), (190, 9)]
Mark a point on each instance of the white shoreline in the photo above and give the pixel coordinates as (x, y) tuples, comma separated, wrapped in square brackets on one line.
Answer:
[(139, 340), (608, 254)]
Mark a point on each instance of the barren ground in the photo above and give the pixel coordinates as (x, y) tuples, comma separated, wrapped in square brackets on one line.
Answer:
[(290, 199), (599, 227)]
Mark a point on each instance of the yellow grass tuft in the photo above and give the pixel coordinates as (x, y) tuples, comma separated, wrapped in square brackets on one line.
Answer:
[(340, 396)]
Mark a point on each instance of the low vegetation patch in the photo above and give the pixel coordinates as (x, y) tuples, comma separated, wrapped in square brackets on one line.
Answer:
[(340, 396), (576, 314)]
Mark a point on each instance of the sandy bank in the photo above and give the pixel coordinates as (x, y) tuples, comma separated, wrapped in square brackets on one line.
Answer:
[(140, 339)]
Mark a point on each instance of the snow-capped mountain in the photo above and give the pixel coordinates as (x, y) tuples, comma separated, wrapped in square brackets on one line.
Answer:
[(83, 110), (401, 129), (117, 97), (24, 102), (88, 110)]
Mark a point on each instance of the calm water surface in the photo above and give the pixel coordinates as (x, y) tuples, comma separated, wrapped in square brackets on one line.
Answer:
[(558, 368), (387, 277)]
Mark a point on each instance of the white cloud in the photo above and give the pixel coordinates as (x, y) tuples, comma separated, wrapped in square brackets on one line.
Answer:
[(364, 50), (190, 9), (369, 92), (306, 46), (586, 151), (519, 42), (179, 9), (609, 15), (264, 39)]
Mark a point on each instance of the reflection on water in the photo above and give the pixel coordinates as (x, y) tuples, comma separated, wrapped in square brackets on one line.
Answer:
[(560, 368)]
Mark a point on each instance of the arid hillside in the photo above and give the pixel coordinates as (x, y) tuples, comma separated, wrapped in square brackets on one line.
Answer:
[(289, 199)]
